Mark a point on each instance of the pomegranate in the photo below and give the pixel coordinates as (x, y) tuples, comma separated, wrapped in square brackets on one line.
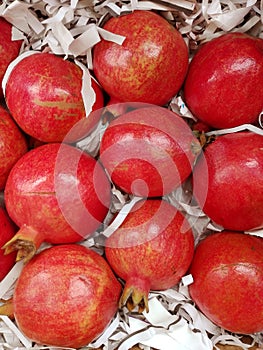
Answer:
[(148, 151), (227, 269), (13, 145), (224, 85), (151, 250), (9, 49), (8, 230), (43, 94), (150, 65), (65, 296), (57, 194), (231, 193)]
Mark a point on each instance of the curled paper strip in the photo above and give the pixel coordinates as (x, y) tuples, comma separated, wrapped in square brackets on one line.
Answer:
[(102, 340), (178, 106), (227, 20), (85, 41), (24, 340), (58, 31), (7, 283), (120, 217), (231, 340), (19, 14), (243, 127), (166, 331), (13, 64), (258, 233), (87, 92), (91, 143)]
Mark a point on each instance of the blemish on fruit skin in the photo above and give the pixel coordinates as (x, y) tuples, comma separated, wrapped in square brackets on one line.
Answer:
[(58, 104), (40, 193)]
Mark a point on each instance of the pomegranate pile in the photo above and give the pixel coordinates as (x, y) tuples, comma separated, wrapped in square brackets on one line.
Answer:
[(96, 153)]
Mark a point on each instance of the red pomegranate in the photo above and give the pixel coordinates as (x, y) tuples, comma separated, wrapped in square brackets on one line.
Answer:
[(57, 194), (65, 296), (227, 269), (7, 231), (13, 145), (43, 94), (9, 49), (149, 151), (151, 250), (224, 84), (227, 181), (150, 65)]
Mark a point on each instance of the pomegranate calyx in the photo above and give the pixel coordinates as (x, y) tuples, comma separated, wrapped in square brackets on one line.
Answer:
[(26, 242), (135, 295), (204, 141), (196, 147), (7, 308)]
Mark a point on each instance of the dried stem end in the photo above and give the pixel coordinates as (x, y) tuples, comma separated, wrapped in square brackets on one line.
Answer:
[(7, 308), (26, 242), (135, 295)]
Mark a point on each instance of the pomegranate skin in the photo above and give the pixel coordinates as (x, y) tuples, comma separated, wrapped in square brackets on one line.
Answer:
[(43, 94), (224, 84), (149, 151), (231, 193), (7, 231), (65, 296), (57, 194), (9, 49), (149, 66), (13, 145), (227, 269), (151, 250)]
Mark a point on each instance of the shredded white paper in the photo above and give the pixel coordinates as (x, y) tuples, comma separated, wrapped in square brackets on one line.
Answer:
[(87, 93), (13, 64), (244, 127), (71, 29)]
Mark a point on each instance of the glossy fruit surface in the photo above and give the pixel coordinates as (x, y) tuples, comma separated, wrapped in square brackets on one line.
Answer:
[(71, 290), (149, 66), (224, 84), (227, 269), (13, 145), (43, 94), (57, 194), (228, 181), (9, 49), (7, 231), (151, 250), (148, 151)]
